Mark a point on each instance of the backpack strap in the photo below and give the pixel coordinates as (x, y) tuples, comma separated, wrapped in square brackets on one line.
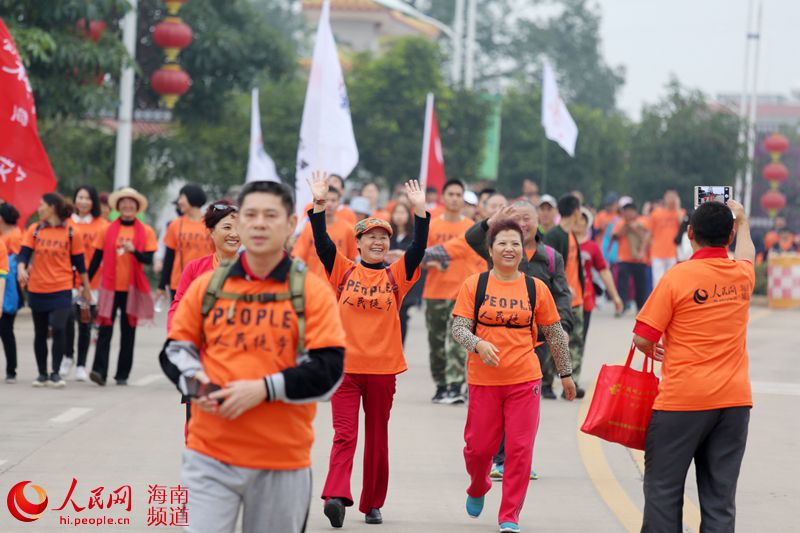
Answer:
[(530, 285), (343, 281), (395, 287), (551, 258), (214, 288), (297, 293), (480, 296)]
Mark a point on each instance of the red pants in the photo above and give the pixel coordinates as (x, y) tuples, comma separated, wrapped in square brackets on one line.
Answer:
[(492, 410), (377, 392)]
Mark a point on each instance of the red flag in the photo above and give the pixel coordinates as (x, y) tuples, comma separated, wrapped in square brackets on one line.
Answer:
[(25, 171), (431, 173)]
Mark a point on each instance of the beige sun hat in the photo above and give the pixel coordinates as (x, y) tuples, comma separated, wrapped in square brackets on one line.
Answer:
[(127, 192)]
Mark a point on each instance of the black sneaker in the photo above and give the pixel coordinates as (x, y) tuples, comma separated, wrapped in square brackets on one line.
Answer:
[(440, 393), (334, 510), (11, 379), (373, 516), (547, 392), (41, 381), (97, 378), (453, 396), (122, 382), (56, 381)]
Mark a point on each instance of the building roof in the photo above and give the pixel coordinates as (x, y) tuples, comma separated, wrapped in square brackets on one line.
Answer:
[(369, 6)]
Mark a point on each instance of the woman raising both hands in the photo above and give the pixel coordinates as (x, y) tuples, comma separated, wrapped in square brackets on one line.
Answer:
[(370, 295)]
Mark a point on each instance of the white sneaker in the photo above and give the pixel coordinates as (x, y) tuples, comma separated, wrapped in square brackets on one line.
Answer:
[(66, 366), (80, 374)]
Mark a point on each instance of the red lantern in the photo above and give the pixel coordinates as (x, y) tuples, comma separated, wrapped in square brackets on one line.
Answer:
[(776, 144), (173, 36), (95, 30), (773, 201), (171, 83), (776, 172)]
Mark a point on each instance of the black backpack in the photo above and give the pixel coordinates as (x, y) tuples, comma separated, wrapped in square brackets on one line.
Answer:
[(480, 296)]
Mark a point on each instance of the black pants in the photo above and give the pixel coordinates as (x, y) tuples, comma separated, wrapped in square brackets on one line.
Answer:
[(9, 342), (84, 335), (638, 271), (715, 440), (127, 339), (587, 316), (42, 322)]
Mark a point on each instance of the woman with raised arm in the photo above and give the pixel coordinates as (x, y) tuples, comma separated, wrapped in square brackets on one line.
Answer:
[(370, 294), (496, 319)]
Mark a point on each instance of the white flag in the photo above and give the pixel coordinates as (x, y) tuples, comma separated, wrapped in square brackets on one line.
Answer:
[(557, 122), (260, 165), (327, 142)]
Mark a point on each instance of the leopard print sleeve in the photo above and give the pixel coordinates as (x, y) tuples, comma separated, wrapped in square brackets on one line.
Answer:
[(559, 347), (462, 333)]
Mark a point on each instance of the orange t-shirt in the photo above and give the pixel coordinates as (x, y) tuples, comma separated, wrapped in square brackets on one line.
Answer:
[(190, 240), (89, 232), (459, 250), (771, 239), (625, 252), (370, 316), (382, 214), (342, 235), (444, 285), (51, 263), (506, 303), (13, 240), (701, 307), (572, 271), (344, 213), (122, 278), (601, 222), (4, 259), (665, 224), (260, 340)]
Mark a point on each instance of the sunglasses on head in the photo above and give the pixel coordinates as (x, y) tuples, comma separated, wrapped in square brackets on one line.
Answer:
[(224, 207)]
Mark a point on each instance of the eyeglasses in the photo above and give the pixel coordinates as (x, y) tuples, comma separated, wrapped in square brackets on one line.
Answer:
[(224, 207)]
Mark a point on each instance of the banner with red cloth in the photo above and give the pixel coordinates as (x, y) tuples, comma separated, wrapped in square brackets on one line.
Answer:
[(25, 171), (431, 172)]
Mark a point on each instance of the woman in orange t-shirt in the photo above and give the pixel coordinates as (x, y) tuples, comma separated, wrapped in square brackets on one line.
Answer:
[(88, 220), (11, 236), (50, 251), (503, 372), (122, 249), (370, 295)]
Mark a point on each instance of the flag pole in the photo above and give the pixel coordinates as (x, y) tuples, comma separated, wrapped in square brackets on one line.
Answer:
[(426, 142), (544, 164)]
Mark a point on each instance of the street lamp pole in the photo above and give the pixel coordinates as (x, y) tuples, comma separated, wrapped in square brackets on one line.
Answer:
[(469, 70), (122, 162)]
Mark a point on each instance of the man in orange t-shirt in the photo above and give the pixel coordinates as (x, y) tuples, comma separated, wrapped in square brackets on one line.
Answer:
[(632, 232), (254, 449), (702, 409), (447, 357), (187, 238), (339, 230), (665, 221)]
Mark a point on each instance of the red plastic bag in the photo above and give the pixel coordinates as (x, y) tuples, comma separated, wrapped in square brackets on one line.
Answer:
[(623, 403)]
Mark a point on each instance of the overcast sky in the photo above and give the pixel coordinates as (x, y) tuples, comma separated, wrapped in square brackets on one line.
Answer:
[(700, 41)]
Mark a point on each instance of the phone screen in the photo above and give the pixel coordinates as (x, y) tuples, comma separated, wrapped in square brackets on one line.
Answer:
[(712, 193)]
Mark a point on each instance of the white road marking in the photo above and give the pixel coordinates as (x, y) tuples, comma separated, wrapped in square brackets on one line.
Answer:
[(73, 413), (776, 387), (147, 380)]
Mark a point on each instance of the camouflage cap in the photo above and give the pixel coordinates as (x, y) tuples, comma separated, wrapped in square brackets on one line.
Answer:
[(371, 223)]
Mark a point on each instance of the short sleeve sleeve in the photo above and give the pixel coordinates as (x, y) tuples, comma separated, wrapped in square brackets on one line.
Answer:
[(3, 259), (465, 301), (187, 322), (598, 262), (323, 321), (100, 239), (617, 227), (340, 265), (545, 312), (27, 239), (302, 246), (657, 310), (171, 237), (151, 240)]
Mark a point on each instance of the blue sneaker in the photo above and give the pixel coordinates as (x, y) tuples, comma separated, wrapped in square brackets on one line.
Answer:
[(509, 527), (474, 506), (534, 475), (497, 473)]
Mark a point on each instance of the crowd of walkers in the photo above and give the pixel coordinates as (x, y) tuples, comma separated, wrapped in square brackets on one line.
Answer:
[(269, 314)]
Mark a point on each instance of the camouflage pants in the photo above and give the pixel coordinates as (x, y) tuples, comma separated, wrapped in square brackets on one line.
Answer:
[(448, 358), (575, 350)]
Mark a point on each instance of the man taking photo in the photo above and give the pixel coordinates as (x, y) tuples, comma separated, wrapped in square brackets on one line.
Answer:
[(701, 308)]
